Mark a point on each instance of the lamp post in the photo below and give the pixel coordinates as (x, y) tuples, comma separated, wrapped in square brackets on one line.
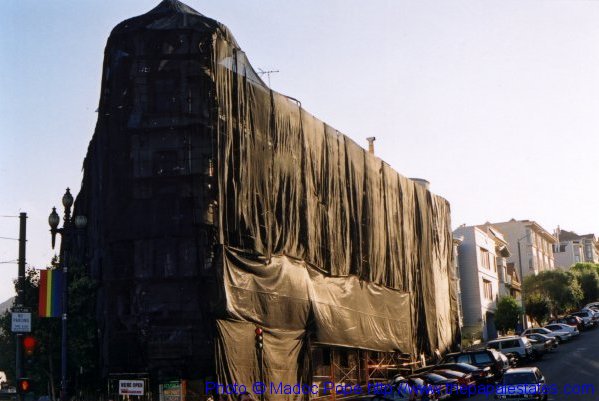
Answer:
[(67, 231)]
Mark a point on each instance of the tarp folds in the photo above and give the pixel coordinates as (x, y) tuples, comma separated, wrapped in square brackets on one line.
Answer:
[(287, 294), (244, 209), (291, 185)]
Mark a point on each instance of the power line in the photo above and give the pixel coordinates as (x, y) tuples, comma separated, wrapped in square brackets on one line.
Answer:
[(14, 239)]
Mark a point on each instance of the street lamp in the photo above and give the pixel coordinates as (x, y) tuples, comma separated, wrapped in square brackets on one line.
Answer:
[(67, 231)]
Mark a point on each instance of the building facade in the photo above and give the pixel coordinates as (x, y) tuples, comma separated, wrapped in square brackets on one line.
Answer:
[(479, 281), (530, 246), (573, 248)]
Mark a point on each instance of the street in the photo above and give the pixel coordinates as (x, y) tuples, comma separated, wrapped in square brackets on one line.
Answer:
[(573, 365)]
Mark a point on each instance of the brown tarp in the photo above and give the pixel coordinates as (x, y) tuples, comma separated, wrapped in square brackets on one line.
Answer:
[(215, 202), (373, 249)]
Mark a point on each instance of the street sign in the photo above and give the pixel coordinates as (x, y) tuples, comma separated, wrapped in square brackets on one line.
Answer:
[(172, 391), (21, 320), (131, 387)]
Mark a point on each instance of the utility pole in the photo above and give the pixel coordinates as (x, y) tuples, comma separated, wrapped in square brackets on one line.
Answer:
[(20, 296)]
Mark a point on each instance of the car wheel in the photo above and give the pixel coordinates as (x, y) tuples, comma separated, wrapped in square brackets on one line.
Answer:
[(558, 339)]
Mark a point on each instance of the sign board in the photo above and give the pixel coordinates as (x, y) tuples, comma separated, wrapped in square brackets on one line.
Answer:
[(131, 387), (21, 320), (171, 391)]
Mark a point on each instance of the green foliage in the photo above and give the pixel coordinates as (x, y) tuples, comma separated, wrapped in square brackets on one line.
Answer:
[(587, 275), (538, 307), (561, 289), (585, 266), (82, 340), (45, 331), (507, 314)]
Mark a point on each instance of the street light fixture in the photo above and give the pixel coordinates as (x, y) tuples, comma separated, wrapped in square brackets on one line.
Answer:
[(67, 231)]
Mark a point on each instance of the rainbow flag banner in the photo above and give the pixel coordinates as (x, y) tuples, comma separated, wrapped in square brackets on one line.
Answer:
[(51, 287)]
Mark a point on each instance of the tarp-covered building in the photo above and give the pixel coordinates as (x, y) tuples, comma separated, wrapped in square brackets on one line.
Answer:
[(216, 205)]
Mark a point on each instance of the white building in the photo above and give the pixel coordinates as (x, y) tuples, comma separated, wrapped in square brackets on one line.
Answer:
[(479, 281), (573, 248)]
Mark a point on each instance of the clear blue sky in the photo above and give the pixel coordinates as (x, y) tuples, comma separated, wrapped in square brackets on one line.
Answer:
[(495, 102)]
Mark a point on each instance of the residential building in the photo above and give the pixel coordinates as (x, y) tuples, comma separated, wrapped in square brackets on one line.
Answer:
[(573, 248), (479, 281), (509, 280), (530, 246)]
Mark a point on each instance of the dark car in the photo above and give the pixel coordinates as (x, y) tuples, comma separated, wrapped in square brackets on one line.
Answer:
[(478, 374), (570, 320), (522, 384), (482, 358), (437, 384), (465, 380)]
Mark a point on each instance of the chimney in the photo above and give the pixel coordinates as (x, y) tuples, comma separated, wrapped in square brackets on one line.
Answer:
[(371, 144), (422, 181)]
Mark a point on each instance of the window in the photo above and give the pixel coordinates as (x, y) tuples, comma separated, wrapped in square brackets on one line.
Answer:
[(493, 262), (488, 290), (482, 357), (484, 258), (562, 248)]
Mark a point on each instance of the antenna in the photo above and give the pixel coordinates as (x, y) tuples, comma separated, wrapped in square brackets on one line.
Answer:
[(262, 72)]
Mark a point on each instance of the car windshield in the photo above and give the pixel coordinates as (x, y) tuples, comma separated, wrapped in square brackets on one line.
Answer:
[(519, 378)]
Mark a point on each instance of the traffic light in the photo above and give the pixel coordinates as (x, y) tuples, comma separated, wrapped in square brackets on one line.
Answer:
[(259, 338), (23, 385), (29, 344)]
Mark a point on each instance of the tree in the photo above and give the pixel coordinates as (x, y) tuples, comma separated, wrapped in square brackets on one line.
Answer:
[(507, 314), (537, 307), (560, 288), (82, 345), (588, 277)]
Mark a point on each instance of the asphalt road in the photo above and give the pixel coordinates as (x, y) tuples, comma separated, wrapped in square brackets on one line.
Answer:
[(571, 367)]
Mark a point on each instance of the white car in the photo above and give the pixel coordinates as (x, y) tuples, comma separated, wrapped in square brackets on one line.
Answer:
[(563, 327), (559, 336), (592, 305), (589, 317)]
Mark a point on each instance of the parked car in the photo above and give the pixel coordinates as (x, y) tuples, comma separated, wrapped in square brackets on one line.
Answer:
[(588, 317), (543, 338), (563, 327), (522, 384), (423, 391), (570, 320), (521, 347), (493, 359), (592, 305), (441, 385), (479, 374), (465, 380), (558, 335), (539, 348), (594, 311)]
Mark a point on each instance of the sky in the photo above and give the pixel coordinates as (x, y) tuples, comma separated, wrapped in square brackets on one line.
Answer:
[(496, 103)]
